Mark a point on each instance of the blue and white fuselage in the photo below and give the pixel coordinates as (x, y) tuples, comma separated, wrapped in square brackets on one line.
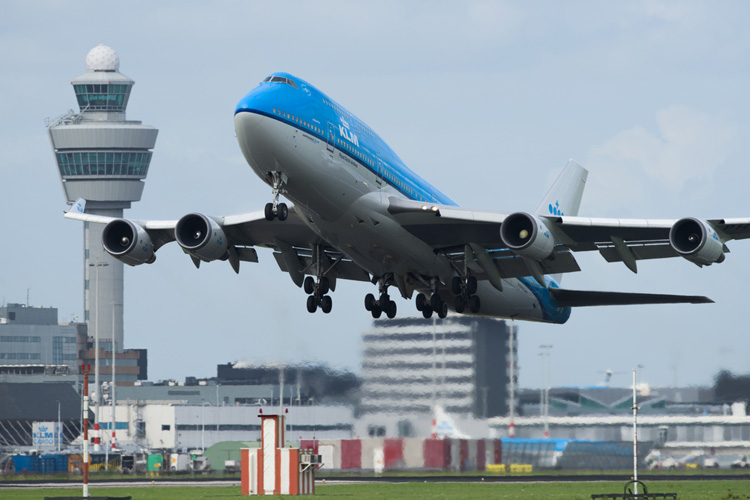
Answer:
[(340, 176)]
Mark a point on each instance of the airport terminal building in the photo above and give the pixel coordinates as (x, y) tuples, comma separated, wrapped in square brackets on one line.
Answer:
[(412, 365)]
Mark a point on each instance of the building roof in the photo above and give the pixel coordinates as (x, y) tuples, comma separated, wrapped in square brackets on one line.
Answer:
[(38, 402)]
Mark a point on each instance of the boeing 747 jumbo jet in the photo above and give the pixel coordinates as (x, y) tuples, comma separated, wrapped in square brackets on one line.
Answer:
[(360, 214)]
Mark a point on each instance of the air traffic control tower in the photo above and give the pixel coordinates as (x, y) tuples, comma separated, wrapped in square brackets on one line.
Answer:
[(103, 158)]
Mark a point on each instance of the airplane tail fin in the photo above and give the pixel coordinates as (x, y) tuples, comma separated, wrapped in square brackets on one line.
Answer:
[(564, 197), (444, 426), (78, 206)]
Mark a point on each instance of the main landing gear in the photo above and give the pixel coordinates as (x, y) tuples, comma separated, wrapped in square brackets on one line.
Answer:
[(465, 290), (317, 294), (382, 305), (434, 304), (277, 209)]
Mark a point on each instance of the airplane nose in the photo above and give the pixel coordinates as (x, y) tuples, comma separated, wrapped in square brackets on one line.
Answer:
[(245, 122), (253, 137)]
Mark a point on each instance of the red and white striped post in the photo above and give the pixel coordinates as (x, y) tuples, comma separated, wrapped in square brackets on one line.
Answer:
[(97, 438), (85, 369)]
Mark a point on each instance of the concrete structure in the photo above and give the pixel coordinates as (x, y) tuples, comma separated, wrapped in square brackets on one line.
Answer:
[(32, 336), (184, 427), (412, 365), (416, 454), (103, 158), (681, 433), (34, 347), (210, 393), (23, 404)]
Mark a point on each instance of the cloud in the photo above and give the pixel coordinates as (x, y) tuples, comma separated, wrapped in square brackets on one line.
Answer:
[(688, 146)]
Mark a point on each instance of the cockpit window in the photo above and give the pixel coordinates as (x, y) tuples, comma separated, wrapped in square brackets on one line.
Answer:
[(281, 79)]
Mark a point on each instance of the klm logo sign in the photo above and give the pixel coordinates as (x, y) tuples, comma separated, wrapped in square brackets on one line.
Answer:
[(45, 434), (348, 134), (555, 209)]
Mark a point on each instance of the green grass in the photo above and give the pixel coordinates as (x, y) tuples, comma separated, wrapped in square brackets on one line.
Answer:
[(686, 490)]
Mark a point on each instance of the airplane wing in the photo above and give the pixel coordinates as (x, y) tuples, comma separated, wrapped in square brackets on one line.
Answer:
[(297, 249), (534, 245)]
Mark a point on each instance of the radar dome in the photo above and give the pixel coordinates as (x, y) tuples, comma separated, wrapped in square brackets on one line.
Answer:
[(102, 58)]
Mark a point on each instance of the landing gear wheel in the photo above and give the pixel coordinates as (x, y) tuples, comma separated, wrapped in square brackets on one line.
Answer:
[(471, 285), (474, 304), (370, 302), (427, 312), (324, 285), (421, 302), (456, 285), (460, 305), (435, 301), (282, 211), (326, 304), (384, 299), (309, 285), (376, 311), (269, 212), (390, 309), (443, 311), (312, 304)]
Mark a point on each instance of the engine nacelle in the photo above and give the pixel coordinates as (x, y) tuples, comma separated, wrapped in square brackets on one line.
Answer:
[(128, 242), (697, 241), (527, 235), (201, 237)]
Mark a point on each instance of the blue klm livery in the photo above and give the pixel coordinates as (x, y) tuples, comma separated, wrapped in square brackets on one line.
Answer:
[(359, 213)]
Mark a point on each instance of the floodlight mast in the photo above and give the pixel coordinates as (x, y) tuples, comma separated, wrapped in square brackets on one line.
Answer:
[(635, 439)]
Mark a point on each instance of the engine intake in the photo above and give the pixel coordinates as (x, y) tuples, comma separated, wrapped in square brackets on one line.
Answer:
[(201, 237), (128, 242), (697, 241), (527, 235)]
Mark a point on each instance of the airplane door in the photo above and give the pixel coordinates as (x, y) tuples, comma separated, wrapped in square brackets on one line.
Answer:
[(379, 176), (331, 137)]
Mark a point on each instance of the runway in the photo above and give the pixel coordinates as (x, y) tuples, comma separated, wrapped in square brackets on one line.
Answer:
[(333, 480)]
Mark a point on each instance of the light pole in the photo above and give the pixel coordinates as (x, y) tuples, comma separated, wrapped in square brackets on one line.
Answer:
[(545, 354), (98, 399), (203, 425), (59, 427)]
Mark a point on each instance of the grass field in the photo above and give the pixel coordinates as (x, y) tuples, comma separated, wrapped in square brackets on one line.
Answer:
[(686, 490)]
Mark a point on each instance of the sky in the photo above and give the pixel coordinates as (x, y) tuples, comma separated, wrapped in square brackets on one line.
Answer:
[(486, 100)]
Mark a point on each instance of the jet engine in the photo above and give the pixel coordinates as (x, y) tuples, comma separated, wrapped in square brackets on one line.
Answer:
[(697, 241), (128, 242), (201, 237), (527, 236)]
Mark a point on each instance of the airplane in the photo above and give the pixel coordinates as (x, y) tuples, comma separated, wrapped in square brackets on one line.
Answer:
[(443, 425), (359, 213)]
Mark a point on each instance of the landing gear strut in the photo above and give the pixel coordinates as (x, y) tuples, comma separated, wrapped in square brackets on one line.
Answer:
[(317, 294), (465, 289), (276, 209), (384, 304)]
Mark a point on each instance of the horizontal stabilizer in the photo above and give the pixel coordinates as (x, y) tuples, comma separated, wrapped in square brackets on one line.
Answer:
[(584, 298)]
